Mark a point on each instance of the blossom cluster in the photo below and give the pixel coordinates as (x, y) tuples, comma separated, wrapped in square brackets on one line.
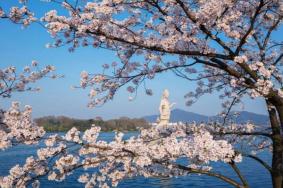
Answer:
[(19, 15), (263, 85), (18, 127), (239, 135)]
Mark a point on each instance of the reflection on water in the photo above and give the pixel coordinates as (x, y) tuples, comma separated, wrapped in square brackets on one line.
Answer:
[(256, 175)]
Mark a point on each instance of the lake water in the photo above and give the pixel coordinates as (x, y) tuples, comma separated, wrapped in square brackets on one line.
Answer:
[(256, 175)]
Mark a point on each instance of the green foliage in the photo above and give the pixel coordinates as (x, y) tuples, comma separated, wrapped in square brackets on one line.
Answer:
[(62, 124)]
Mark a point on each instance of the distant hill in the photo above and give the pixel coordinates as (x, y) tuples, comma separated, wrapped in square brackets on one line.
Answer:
[(245, 116), (184, 116), (180, 115)]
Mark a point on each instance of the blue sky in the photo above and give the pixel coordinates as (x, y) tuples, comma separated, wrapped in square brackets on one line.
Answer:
[(20, 46)]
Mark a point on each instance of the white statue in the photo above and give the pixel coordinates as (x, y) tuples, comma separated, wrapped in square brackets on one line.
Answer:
[(164, 109)]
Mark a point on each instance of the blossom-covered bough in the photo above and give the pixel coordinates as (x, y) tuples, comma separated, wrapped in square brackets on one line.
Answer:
[(12, 80), (154, 153), (17, 126), (231, 49)]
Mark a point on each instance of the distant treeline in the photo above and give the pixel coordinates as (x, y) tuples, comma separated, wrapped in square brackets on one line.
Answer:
[(62, 123)]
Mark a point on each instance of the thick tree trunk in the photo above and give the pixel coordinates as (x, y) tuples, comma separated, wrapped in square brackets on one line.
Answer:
[(277, 139)]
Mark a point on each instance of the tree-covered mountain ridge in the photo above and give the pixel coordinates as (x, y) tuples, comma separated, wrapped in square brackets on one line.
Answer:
[(63, 123)]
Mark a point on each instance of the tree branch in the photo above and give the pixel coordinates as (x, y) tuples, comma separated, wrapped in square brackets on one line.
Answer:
[(238, 172), (264, 164)]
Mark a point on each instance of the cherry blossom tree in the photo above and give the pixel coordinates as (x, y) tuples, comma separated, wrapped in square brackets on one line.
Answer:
[(230, 49), (233, 43)]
